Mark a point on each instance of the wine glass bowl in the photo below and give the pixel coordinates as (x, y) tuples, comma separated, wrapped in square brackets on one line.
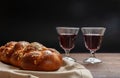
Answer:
[(67, 36), (93, 38)]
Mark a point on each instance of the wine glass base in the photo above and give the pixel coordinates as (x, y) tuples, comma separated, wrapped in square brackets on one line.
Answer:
[(92, 60), (69, 58)]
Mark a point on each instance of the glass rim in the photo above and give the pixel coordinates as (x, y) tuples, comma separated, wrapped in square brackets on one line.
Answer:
[(67, 27), (93, 28)]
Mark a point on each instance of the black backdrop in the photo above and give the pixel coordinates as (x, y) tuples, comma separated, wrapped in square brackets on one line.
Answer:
[(35, 20)]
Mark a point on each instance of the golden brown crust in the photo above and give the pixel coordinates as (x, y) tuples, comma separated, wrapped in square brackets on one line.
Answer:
[(18, 52), (1, 51), (7, 51), (31, 56), (30, 60), (51, 61)]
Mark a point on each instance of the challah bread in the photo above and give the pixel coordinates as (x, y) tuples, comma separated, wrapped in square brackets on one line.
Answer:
[(30, 56)]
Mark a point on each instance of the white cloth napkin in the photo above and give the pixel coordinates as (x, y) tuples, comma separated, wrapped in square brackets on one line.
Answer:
[(70, 69)]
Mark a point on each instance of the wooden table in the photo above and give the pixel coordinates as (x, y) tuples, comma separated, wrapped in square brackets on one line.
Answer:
[(109, 68)]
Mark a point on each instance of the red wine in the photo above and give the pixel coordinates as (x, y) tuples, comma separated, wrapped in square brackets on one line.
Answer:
[(92, 41), (67, 41)]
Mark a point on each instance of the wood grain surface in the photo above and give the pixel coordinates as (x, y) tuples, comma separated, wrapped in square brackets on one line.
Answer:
[(109, 68)]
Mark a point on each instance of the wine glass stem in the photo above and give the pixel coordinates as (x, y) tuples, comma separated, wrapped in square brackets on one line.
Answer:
[(67, 52), (92, 53)]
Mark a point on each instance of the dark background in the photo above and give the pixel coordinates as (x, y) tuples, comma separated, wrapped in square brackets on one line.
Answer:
[(36, 20)]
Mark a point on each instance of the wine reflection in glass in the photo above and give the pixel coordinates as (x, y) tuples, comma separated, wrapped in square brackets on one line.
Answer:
[(92, 38), (67, 36)]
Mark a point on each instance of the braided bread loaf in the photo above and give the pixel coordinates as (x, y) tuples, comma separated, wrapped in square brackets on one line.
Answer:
[(30, 56)]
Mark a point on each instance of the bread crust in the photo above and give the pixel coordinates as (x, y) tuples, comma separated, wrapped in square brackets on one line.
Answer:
[(30, 56)]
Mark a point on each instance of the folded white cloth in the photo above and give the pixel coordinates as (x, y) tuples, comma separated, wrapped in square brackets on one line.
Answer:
[(70, 69)]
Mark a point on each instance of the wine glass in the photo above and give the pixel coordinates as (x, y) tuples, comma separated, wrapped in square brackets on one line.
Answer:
[(92, 39), (67, 36)]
